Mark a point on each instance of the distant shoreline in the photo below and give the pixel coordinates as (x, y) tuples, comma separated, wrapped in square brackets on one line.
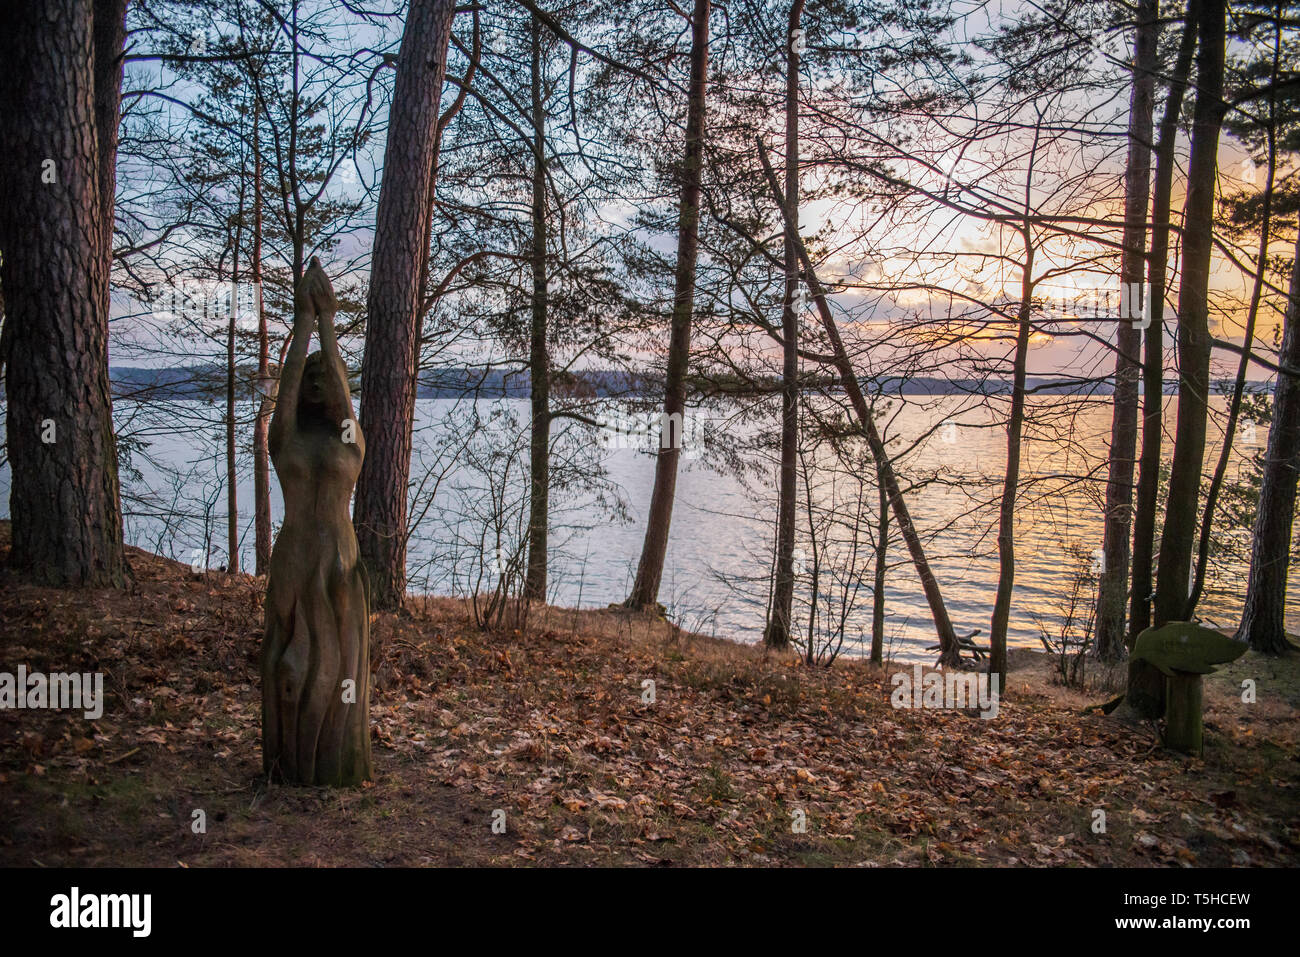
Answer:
[(207, 382)]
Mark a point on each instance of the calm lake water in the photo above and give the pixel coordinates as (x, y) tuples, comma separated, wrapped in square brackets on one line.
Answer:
[(716, 577)]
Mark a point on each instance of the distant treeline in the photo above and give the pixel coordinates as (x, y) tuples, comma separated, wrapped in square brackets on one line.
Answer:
[(208, 382)]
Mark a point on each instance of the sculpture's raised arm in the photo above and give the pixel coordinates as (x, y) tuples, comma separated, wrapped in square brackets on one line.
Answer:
[(285, 420), (338, 392)]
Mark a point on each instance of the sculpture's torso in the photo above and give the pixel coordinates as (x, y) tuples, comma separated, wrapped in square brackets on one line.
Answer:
[(317, 473), (317, 618)]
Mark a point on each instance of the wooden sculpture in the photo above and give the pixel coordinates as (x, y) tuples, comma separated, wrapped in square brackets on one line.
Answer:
[(1184, 651), (316, 651)]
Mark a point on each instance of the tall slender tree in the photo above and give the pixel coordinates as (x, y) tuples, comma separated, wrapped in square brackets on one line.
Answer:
[(1262, 621), (1267, 126), (950, 648), (778, 627), (232, 325), (1144, 694), (388, 370), (1113, 580), (265, 385), (539, 360), (1015, 437), (645, 589), (1153, 368), (1183, 505)]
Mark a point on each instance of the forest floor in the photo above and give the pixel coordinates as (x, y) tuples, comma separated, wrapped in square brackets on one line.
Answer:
[(550, 727)]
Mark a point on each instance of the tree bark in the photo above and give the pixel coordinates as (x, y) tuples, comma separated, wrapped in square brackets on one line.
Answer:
[(265, 385), (232, 477), (388, 372), (1144, 697), (232, 487), (1262, 621), (1153, 370), (1112, 588), (1183, 506), (110, 38), (645, 589), (539, 360), (61, 83), (1248, 338), (778, 628)]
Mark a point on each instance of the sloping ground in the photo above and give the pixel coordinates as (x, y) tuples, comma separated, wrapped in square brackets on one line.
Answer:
[(551, 728)]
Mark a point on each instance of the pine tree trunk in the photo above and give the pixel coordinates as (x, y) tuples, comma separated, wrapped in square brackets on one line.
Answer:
[(645, 590), (232, 477), (1247, 339), (1183, 506), (778, 628), (1153, 372), (110, 38), (232, 489), (1113, 584), (388, 374), (539, 362), (1262, 621), (60, 78), (265, 385), (1144, 697)]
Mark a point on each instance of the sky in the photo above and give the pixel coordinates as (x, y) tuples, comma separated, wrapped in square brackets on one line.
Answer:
[(860, 252)]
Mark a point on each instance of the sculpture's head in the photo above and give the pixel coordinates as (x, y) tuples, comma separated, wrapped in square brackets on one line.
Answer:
[(313, 396)]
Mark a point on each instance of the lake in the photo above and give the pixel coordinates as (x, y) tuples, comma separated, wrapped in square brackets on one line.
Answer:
[(716, 577)]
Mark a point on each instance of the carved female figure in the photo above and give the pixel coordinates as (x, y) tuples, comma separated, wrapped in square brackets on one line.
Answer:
[(316, 651)]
